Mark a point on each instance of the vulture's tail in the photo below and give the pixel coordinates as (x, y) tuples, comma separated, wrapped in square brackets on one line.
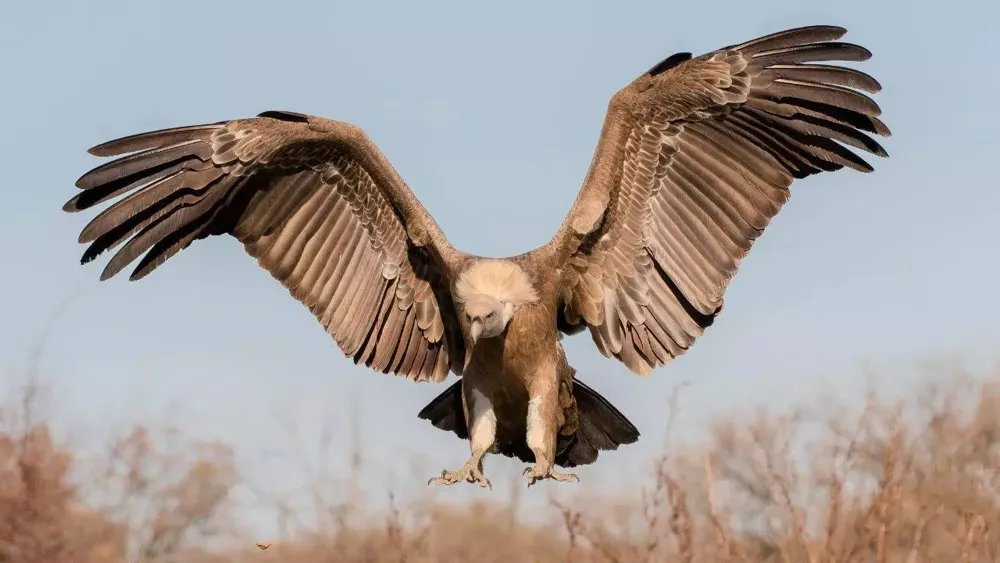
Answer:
[(446, 413), (601, 425)]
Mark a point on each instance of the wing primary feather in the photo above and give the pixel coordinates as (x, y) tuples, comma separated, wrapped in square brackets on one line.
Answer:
[(88, 198), (828, 74), (140, 221), (789, 37), (812, 52), (160, 229), (129, 165), (159, 138), (791, 108), (150, 195), (180, 237), (796, 160), (143, 218), (783, 88), (814, 126), (824, 153)]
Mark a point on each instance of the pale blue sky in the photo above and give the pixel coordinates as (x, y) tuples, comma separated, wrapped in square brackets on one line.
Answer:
[(484, 109)]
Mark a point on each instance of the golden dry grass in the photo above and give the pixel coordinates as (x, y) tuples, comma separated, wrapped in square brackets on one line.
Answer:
[(914, 481)]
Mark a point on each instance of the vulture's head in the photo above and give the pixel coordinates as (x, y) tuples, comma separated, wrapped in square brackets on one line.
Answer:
[(488, 293), (487, 316)]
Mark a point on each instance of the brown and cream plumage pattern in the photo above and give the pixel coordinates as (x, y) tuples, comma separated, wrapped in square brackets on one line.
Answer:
[(695, 158), (325, 218)]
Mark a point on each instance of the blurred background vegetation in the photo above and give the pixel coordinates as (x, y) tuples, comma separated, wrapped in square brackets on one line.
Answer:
[(911, 480)]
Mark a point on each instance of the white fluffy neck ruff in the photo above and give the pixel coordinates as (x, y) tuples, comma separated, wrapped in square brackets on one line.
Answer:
[(499, 279)]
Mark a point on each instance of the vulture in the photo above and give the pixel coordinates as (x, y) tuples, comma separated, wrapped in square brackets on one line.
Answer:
[(694, 159)]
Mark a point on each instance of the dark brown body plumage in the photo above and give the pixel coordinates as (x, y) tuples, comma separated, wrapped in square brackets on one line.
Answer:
[(695, 158), (506, 369)]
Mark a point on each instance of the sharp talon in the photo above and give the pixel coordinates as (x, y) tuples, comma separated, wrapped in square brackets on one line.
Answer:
[(468, 474), (535, 474), (565, 477)]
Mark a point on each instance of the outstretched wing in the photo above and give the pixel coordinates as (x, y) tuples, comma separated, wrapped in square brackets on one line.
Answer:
[(315, 202), (695, 158)]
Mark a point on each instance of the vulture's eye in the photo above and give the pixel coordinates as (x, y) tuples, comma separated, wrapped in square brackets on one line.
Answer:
[(491, 315)]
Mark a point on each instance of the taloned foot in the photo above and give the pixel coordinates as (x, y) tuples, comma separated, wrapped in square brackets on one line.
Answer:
[(537, 472), (470, 472)]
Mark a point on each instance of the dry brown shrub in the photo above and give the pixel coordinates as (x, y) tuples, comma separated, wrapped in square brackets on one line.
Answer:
[(141, 501), (910, 481)]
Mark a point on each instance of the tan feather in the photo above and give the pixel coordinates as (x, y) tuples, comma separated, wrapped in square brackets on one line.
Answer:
[(313, 200), (501, 279), (694, 160)]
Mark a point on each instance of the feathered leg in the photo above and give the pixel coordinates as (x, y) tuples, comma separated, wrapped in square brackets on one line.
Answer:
[(482, 433), (545, 417)]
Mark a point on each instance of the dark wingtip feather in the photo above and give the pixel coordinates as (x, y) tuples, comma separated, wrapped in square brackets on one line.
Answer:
[(139, 162), (90, 254), (795, 35), (813, 52), (879, 150), (150, 139), (836, 31), (99, 150), (669, 63), (83, 181), (863, 166), (73, 205), (880, 127), (283, 115), (826, 74)]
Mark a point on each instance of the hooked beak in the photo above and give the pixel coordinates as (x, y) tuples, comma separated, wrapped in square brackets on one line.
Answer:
[(475, 330)]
